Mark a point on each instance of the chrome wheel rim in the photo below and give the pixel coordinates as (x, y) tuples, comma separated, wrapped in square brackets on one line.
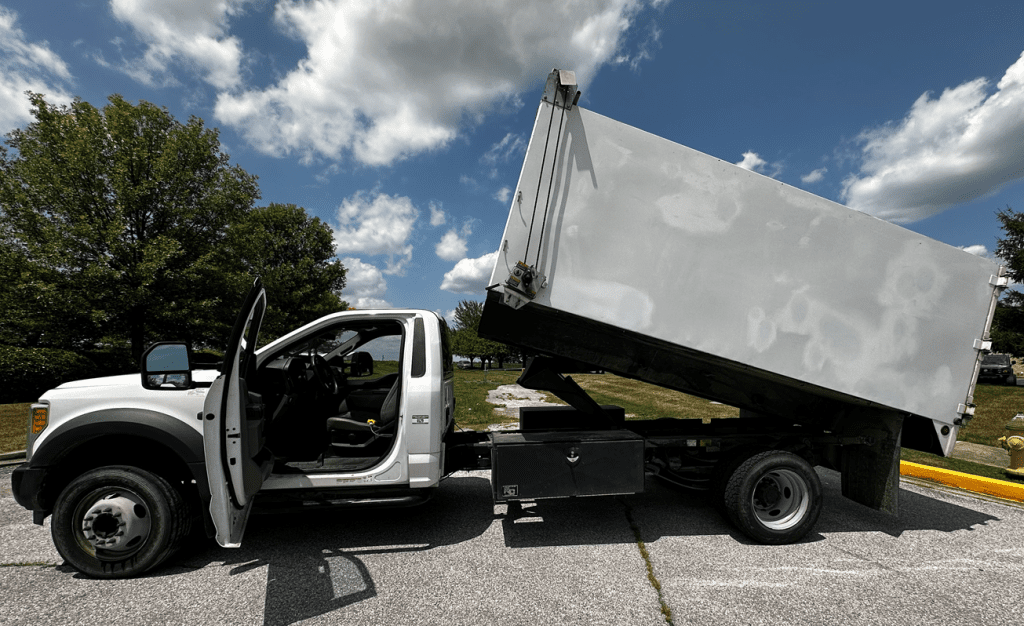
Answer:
[(113, 523), (780, 499)]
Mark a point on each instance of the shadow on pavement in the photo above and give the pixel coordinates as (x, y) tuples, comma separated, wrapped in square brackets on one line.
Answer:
[(313, 557), (662, 511)]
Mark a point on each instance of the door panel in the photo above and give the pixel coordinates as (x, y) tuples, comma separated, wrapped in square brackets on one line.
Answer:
[(236, 462)]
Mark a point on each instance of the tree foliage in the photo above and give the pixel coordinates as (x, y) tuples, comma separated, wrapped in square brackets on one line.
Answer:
[(467, 342), (110, 221), (1008, 323), (28, 372), (294, 254)]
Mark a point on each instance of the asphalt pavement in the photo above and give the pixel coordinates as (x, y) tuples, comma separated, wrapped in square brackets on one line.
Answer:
[(950, 557)]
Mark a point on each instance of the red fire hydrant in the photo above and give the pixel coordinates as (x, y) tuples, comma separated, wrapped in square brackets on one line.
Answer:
[(1014, 442)]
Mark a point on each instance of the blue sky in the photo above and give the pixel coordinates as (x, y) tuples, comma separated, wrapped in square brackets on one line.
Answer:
[(403, 124)]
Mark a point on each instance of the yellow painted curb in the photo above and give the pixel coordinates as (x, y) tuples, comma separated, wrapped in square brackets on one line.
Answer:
[(998, 488)]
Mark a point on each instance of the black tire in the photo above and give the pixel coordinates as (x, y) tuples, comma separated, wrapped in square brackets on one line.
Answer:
[(773, 497), (119, 522), (724, 470)]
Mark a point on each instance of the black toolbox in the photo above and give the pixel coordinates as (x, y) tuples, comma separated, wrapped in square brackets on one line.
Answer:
[(536, 465)]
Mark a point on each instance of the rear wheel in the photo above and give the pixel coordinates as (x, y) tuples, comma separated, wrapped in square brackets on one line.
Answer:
[(773, 497), (118, 522)]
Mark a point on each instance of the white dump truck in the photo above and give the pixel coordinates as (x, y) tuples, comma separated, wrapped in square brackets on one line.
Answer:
[(838, 336)]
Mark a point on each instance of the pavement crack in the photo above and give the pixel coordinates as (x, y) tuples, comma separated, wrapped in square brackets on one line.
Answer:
[(29, 564), (652, 578)]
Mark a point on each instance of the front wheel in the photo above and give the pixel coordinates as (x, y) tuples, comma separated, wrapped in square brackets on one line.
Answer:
[(773, 497), (118, 522)]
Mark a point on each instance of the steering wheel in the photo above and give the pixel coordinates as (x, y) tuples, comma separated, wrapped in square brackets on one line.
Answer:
[(323, 374)]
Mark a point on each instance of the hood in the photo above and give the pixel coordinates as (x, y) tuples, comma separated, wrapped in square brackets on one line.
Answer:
[(132, 380), (106, 381)]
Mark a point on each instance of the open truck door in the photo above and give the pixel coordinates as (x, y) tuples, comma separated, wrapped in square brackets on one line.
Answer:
[(236, 459)]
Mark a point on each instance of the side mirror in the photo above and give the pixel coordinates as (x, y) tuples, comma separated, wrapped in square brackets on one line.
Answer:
[(360, 364), (167, 365)]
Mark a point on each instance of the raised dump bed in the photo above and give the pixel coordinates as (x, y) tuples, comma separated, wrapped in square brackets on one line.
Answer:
[(630, 253)]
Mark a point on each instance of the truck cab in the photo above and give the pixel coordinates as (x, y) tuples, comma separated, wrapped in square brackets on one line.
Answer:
[(351, 407)]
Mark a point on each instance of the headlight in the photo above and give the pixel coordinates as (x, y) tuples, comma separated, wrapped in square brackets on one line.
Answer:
[(38, 420)]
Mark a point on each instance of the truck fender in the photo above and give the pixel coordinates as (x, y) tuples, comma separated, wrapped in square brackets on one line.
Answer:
[(164, 430)]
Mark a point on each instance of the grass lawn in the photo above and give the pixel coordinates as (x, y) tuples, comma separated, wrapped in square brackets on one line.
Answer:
[(13, 426), (641, 400), (996, 405), (472, 410), (645, 401)]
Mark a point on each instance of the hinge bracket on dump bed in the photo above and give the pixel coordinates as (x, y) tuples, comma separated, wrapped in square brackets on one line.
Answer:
[(999, 281), (521, 285), (561, 89)]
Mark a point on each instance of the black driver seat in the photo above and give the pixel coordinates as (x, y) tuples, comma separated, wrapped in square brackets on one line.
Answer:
[(359, 429)]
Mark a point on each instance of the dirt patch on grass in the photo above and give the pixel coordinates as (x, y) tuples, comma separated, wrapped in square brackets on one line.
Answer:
[(507, 400)]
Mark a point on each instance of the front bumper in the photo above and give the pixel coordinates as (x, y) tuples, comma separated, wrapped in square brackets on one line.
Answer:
[(27, 485), (994, 373)]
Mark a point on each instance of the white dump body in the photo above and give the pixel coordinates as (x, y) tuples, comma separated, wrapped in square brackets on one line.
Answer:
[(655, 238)]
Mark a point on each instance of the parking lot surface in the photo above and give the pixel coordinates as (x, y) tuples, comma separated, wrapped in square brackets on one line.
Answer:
[(950, 557)]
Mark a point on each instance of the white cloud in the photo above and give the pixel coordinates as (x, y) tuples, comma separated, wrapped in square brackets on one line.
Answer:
[(452, 246), (963, 145), (385, 80), (814, 176), (645, 49), (437, 216), (751, 161), (510, 146), (449, 316), (365, 285), (502, 195), (25, 67), (977, 250), (470, 275), (193, 33), (381, 225)]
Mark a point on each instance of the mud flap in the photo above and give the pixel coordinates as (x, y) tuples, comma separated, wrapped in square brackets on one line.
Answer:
[(871, 473)]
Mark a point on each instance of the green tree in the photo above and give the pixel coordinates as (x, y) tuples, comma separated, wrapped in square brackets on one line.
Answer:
[(468, 314), (1010, 248), (113, 218), (1008, 323), (467, 341), (1008, 328), (294, 254)]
